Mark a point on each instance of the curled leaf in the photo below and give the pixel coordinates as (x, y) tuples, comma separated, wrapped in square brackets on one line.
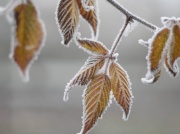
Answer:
[(96, 98), (29, 36), (171, 71), (92, 47), (156, 55), (174, 52), (91, 15), (157, 48), (121, 88), (84, 75)]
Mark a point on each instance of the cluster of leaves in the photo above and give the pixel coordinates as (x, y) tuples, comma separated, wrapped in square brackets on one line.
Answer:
[(103, 78), (164, 49)]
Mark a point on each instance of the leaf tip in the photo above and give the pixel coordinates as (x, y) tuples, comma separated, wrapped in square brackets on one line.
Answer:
[(25, 75)]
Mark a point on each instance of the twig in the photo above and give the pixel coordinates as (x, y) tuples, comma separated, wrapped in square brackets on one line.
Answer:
[(131, 15), (116, 42), (118, 38)]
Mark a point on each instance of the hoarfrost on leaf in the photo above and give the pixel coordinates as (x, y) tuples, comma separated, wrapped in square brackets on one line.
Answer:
[(29, 33), (164, 49)]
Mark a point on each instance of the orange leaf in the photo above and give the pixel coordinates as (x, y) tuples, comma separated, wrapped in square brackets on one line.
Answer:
[(121, 88), (174, 52), (85, 74), (96, 98), (68, 19), (91, 15), (29, 35), (93, 47), (157, 48)]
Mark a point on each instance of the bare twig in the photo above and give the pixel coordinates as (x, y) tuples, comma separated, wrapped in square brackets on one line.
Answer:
[(131, 15), (116, 42), (118, 38)]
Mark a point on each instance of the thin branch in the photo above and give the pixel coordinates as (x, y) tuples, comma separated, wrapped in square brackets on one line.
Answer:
[(127, 13), (116, 42), (118, 38)]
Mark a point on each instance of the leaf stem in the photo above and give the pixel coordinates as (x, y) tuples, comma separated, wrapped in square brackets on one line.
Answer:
[(117, 40), (127, 13)]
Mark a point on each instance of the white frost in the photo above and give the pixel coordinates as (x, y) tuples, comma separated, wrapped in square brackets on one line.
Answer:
[(14, 41), (2, 10), (131, 26), (144, 43)]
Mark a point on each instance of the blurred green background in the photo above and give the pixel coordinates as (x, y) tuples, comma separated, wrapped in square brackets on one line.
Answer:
[(37, 107)]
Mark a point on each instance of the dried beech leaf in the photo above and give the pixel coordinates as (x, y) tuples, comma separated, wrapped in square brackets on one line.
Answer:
[(168, 67), (121, 88), (96, 98), (68, 19), (91, 15), (92, 65), (92, 47), (29, 36), (174, 53), (156, 76), (157, 48)]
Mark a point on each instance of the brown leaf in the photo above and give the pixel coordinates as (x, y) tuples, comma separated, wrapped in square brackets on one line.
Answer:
[(174, 52), (168, 67), (68, 19), (121, 88), (85, 74), (96, 98), (91, 15), (28, 35), (93, 47), (157, 48)]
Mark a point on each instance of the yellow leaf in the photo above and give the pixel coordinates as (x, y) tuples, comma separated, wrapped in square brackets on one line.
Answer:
[(68, 19), (96, 98), (85, 74), (29, 35), (121, 88), (93, 46), (91, 15), (157, 48), (174, 52)]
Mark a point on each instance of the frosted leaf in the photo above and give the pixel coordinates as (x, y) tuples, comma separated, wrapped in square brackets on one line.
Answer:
[(28, 37), (92, 47), (88, 70), (96, 98), (121, 88), (151, 77), (86, 6), (91, 16), (67, 17)]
